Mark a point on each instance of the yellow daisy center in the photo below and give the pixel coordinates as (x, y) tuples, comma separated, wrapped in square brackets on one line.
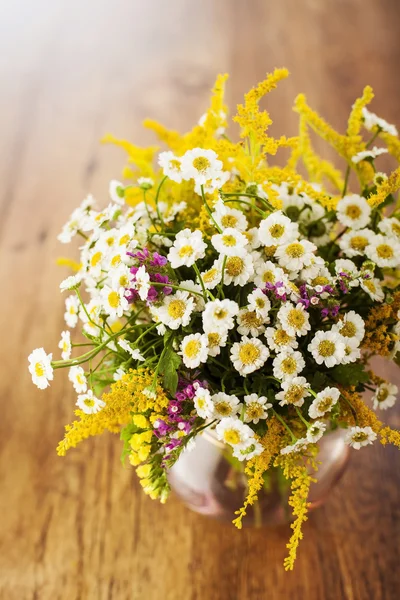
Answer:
[(382, 395), (249, 353), (39, 369), (175, 164), (349, 329), (296, 318), (234, 266), (281, 338), (192, 348), (370, 285), (214, 339), (95, 259), (260, 303), (89, 402), (358, 242), (210, 275), (276, 231), (185, 251), (201, 164), (360, 436), (231, 436), (320, 280), (251, 319), (254, 410), (289, 365), (384, 251), (268, 277), (113, 299), (116, 260), (229, 240), (176, 309), (353, 211), (325, 404), (124, 240), (396, 228), (229, 221), (220, 313), (124, 281), (223, 408), (295, 250), (326, 348)]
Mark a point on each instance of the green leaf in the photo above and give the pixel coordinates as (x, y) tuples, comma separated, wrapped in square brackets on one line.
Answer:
[(352, 374), (168, 368)]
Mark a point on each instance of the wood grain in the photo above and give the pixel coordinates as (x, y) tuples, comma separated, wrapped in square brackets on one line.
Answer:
[(79, 527)]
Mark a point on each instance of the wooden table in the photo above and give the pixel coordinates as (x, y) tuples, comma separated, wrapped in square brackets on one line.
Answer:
[(79, 527)]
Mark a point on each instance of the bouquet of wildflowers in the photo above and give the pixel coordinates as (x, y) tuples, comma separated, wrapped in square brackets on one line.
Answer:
[(219, 291)]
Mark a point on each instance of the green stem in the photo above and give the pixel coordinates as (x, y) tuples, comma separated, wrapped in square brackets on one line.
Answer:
[(218, 228), (306, 423), (371, 141), (177, 287), (262, 213), (286, 426), (157, 196), (346, 180)]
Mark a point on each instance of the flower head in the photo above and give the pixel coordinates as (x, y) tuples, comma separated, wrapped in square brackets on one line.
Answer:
[(187, 248), (40, 368), (194, 350), (65, 345), (353, 211), (327, 347), (360, 436), (89, 403), (323, 402), (385, 396), (256, 408), (248, 355), (225, 405)]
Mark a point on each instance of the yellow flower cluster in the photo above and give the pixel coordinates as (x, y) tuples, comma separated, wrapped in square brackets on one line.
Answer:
[(389, 186), (257, 466), (378, 337), (125, 397), (297, 472)]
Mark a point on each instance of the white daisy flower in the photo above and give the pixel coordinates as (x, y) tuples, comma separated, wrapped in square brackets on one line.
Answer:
[(323, 402), (314, 269), (95, 260), (277, 229), (249, 323), (316, 431), (193, 350), (187, 248), (116, 190), (171, 165), (146, 183), (70, 282), (134, 352), (373, 288), (93, 309), (226, 217), (294, 391), (296, 255), (141, 282), (385, 396), (65, 345), (248, 449), (288, 364), (353, 211), (238, 269), (368, 154), (119, 373), (346, 266), (268, 272), (298, 446), (215, 341), (189, 284), (78, 221), (327, 347), (371, 120), (256, 408), (390, 227), (77, 377), (353, 243), (225, 405), (232, 431), (278, 339), (213, 276), (203, 404), (114, 301), (295, 320), (248, 355), (252, 238), (351, 327), (360, 436), (176, 310), (384, 251), (121, 277), (352, 353), (200, 165), (230, 242), (40, 368), (260, 304), (216, 183), (89, 404), (71, 311), (218, 315)]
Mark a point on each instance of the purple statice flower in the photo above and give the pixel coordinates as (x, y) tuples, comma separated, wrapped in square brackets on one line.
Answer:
[(180, 396), (152, 294), (167, 290), (141, 255), (184, 425), (325, 312), (329, 289), (173, 443), (305, 302), (131, 295), (343, 287), (158, 260), (159, 278), (335, 310), (161, 428), (134, 270), (174, 408)]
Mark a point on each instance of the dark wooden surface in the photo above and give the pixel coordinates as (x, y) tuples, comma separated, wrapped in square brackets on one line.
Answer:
[(79, 527)]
